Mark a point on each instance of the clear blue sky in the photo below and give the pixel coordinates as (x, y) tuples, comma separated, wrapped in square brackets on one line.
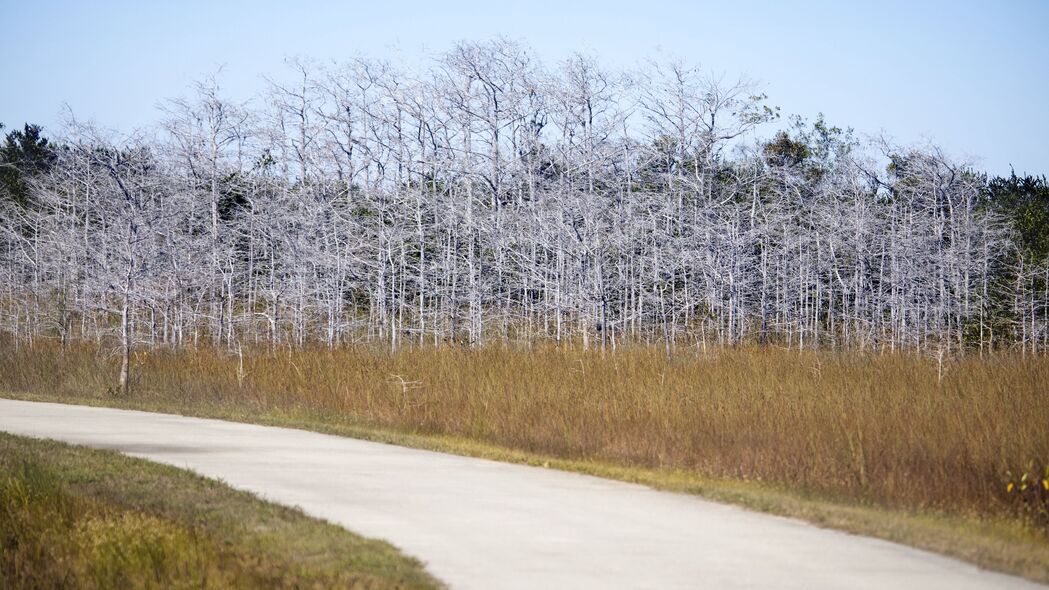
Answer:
[(971, 76)]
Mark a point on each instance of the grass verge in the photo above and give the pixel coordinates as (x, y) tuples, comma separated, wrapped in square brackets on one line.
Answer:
[(72, 517)]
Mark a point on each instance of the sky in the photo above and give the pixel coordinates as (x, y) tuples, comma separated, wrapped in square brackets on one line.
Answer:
[(972, 77)]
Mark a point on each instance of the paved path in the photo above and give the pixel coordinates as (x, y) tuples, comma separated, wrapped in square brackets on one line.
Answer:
[(488, 525)]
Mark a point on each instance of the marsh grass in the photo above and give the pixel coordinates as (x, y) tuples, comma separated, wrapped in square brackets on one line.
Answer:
[(887, 432), (881, 428), (76, 518)]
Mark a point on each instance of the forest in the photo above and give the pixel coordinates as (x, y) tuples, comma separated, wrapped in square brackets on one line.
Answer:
[(489, 198)]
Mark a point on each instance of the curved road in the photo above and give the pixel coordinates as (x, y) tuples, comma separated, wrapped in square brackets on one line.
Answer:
[(483, 524)]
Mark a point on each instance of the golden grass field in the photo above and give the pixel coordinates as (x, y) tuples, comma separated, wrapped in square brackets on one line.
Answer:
[(895, 446), (896, 432)]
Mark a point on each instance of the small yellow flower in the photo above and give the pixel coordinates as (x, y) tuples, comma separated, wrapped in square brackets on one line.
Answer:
[(1009, 488), (1045, 484)]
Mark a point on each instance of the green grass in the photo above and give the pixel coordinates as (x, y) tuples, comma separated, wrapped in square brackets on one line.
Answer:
[(72, 517)]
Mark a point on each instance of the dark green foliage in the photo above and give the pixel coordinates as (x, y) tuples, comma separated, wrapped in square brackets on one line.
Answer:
[(23, 154), (231, 198), (785, 152), (1025, 201)]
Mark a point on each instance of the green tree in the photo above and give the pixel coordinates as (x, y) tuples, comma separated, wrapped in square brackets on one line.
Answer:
[(812, 150), (1025, 201), (23, 154)]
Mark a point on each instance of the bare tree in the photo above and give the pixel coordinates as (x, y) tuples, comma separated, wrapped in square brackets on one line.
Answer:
[(488, 197)]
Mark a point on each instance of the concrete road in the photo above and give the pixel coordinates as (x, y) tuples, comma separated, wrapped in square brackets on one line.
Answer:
[(488, 525)]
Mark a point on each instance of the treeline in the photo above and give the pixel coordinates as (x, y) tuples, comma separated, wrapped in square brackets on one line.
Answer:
[(490, 198)]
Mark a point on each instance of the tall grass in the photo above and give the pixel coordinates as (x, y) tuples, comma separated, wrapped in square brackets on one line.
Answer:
[(893, 430)]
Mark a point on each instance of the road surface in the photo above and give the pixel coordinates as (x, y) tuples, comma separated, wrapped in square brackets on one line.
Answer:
[(488, 525)]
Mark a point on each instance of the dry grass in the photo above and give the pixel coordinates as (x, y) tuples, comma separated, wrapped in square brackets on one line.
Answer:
[(864, 430), (72, 517)]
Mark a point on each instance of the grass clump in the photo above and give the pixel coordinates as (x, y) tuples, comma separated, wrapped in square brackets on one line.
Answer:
[(77, 518)]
